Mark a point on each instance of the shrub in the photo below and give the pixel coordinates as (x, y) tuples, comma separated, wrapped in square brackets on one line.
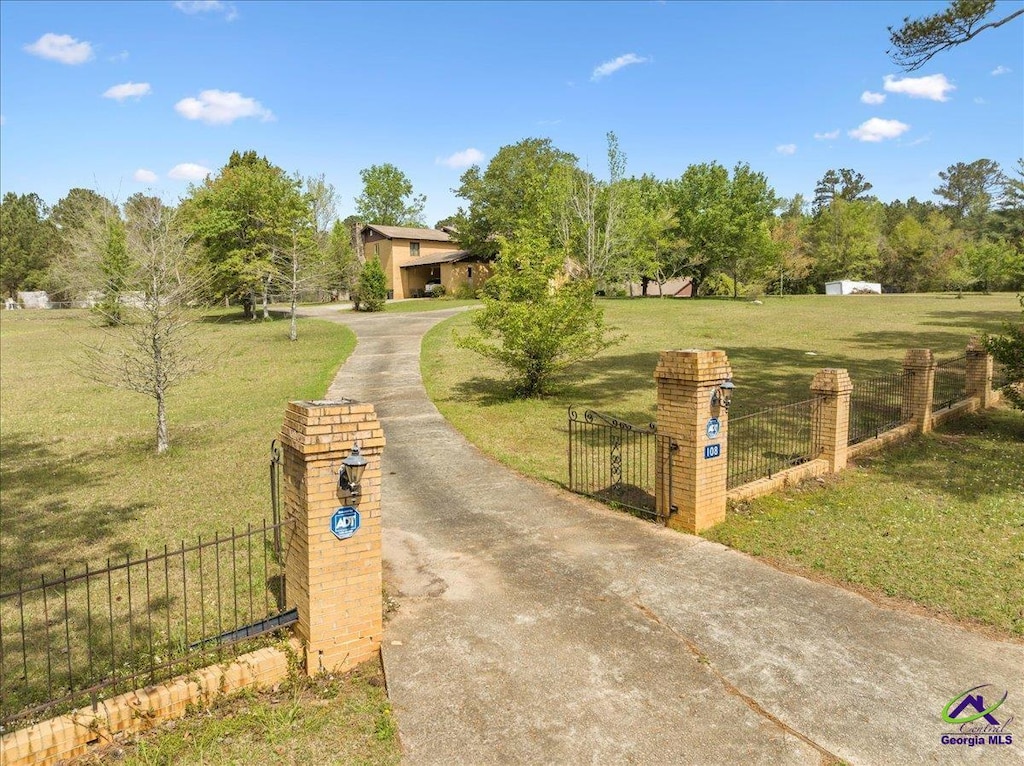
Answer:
[(1008, 350), (373, 286), (531, 327), (464, 291)]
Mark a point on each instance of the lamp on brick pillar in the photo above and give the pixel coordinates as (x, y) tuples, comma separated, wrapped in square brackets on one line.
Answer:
[(333, 566), (694, 391)]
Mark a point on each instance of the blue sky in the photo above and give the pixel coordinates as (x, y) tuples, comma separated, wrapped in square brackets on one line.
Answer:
[(124, 97)]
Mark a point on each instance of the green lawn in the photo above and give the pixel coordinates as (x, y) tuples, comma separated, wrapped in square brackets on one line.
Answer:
[(939, 520), (329, 720), (774, 348), (79, 478), (428, 304)]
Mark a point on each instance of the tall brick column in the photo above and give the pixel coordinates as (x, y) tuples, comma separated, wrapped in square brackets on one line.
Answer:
[(831, 416), (336, 584), (686, 382), (919, 389), (979, 373)]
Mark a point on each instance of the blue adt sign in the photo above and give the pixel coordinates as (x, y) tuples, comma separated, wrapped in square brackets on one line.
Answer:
[(713, 429), (345, 522), (712, 450)]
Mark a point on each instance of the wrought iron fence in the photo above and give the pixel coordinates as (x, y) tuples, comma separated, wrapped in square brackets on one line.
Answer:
[(616, 462), (1000, 377), (763, 443), (950, 382), (877, 405), (73, 638)]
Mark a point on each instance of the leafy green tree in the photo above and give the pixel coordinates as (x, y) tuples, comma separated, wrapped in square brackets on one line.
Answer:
[(245, 217), (523, 193), (373, 286), (846, 238), (724, 221), (342, 264), (918, 40), (989, 263), (1008, 220), (845, 184), (968, 189), (29, 241), (388, 199), (792, 256), (1008, 350), (532, 326)]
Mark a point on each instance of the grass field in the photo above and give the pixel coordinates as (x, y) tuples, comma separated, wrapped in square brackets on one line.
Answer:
[(79, 478), (428, 304), (939, 520), (774, 348)]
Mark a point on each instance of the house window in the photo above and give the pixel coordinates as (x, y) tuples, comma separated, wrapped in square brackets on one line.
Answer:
[(414, 249), (376, 248), (469, 272)]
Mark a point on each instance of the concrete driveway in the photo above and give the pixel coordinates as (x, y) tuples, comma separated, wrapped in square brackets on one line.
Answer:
[(538, 627)]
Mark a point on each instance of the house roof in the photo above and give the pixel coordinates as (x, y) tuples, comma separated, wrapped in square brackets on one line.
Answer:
[(408, 232), (436, 258)]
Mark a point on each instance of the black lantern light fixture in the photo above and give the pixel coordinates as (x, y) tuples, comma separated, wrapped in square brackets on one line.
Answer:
[(722, 395), (351, 473)]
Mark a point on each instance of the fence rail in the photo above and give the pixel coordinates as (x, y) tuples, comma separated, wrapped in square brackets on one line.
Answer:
[(877, 405), (75, 638), (950, 382), (615, 461), (763, 443)]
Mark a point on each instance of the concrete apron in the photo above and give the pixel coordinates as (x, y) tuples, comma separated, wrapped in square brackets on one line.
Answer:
[(538, 627)]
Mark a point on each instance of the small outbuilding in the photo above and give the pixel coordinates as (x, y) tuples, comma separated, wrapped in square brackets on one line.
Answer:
[(851, 287)]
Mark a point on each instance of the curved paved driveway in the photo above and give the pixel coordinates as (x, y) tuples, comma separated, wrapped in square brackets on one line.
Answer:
[(536, 627)]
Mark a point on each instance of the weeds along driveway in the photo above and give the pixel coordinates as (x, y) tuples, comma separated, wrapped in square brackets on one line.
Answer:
[(537, 627)]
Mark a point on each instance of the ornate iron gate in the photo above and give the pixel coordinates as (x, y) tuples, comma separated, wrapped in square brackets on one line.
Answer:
[(616, 462)]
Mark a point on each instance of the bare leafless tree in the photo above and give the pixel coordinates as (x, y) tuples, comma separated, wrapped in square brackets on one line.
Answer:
[(155, 349)]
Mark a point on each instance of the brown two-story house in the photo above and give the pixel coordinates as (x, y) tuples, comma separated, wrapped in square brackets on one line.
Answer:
[(416, 259)]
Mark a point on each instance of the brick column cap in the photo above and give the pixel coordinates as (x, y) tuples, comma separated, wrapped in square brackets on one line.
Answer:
[(975, 346), (919, 358), (315, 426), (832, 380), (693, 364)]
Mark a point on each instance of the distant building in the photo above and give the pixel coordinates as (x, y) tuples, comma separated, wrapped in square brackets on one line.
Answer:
[(36, 299), (850, 287), (415, 260), (680, 287)]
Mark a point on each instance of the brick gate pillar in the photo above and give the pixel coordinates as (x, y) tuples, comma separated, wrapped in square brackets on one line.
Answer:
[(336, 584), (919, 388), (979, 373), (830, 418), (691, 480)]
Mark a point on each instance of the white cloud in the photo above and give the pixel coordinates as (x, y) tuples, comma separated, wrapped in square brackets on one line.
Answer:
[(869, 97), (127, 90), (829, 136), (145, 176), (62, 48), (188, 171), (933, 87), (192, 7), (1001, 70), (218, 107), (609, 67), (122, 56), (877, 129), (786, 149), (980, 100), (919, 141), (462, 159), (2, 120)]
